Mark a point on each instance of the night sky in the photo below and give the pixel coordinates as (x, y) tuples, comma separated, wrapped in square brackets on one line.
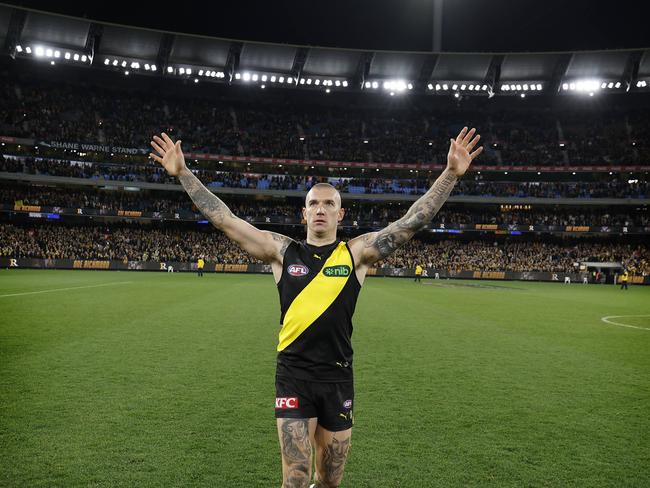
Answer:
[(468, 25)]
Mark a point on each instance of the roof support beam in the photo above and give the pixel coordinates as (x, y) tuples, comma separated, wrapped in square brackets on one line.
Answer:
[(631, 72), (559, 72), (363, 68), (493, 74), (164, 52), (299, 61), (15, 30), (232, 62), (427, 70), (93, 39)]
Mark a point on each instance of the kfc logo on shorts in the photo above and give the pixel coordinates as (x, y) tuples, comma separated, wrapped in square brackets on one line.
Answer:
[(286, 402), (347, 404), (297, 270)]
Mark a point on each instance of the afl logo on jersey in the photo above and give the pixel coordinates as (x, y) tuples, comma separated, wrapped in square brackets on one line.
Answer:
[(298, 270)]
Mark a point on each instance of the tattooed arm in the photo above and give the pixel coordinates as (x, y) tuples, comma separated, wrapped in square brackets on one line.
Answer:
[(266, 246), (375, 246)]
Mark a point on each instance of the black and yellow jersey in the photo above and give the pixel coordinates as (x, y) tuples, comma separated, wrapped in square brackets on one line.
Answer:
[(318, 293)]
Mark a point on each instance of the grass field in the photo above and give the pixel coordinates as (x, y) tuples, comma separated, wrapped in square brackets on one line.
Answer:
[(166, 380)]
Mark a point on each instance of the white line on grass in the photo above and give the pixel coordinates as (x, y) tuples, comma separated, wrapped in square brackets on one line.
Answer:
[(65, 289), (606, 320)]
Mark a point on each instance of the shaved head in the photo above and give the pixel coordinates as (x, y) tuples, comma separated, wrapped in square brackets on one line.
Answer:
[(319, 187)]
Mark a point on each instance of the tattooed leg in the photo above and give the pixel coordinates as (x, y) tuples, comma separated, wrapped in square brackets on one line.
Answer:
[(296, 441), (331, 453)]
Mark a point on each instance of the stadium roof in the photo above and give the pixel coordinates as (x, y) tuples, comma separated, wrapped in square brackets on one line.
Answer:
[(50, 37)]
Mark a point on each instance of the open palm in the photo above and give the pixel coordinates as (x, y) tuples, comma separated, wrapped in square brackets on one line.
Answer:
[(460, 151), (170, 154)]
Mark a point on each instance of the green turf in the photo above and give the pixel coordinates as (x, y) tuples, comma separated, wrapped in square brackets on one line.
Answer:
[(167, 380)]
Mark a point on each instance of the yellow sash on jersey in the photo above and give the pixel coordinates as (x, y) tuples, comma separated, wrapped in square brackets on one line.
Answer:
[(315, 298)]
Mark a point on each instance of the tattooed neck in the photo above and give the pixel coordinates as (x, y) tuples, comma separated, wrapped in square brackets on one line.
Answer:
[(207, 202)]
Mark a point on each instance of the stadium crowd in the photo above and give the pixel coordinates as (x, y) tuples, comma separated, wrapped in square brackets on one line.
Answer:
[(132, 242), (482, 255), (285, 128), (129, 243), (355, 210), (616, 188)]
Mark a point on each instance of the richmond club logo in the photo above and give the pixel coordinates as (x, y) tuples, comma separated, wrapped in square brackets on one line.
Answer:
[(297, 270)]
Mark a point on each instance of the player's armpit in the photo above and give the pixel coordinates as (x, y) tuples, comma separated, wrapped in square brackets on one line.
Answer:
[(263, 245), (369, 248), (375, 246)]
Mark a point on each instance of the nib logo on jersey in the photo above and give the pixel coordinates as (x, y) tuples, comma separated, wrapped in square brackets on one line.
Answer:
[(340, 270), (297, 270)]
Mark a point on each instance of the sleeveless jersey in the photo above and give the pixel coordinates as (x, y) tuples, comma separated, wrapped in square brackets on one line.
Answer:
[(318, 293)]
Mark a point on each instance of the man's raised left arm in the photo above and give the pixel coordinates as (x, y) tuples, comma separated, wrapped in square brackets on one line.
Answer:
[(375, 246)]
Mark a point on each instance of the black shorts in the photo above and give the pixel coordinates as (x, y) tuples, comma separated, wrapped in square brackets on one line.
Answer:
[(331, 403)]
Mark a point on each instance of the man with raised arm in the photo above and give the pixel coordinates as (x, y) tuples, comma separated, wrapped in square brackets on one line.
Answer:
[(319, 281)]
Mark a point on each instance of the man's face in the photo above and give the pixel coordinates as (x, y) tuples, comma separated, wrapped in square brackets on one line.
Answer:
[(323, 210)]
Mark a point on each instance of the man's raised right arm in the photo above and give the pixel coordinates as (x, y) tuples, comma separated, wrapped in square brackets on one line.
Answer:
[(264, 245)]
